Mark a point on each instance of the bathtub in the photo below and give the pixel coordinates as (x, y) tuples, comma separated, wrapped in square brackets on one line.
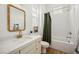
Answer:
[(63, 44)]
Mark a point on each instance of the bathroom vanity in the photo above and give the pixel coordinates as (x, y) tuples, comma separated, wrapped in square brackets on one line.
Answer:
[(26, 44), (29, 44)]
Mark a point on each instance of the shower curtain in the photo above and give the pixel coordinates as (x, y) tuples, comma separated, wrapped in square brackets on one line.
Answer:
[(77, 47), (47, 28)]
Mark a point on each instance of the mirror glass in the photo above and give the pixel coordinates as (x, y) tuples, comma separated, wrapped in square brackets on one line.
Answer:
[(16, 19)]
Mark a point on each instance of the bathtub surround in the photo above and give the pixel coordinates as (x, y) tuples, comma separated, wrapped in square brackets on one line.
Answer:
[(63, 45), (47, 28)]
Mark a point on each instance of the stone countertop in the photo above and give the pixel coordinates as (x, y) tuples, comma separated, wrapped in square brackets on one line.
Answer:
[(8, 45)]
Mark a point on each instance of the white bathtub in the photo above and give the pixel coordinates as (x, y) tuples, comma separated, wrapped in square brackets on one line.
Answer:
[(62, 45)]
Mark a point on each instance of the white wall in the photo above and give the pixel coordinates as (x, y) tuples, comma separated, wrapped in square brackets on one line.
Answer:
[(41, 22), (37, 16), (28, 9), (3, 18), (75, 20)]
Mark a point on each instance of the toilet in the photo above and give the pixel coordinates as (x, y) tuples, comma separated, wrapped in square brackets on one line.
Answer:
[(44, 46)]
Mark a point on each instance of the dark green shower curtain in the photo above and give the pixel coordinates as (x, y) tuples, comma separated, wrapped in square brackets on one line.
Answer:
[(47, 28)]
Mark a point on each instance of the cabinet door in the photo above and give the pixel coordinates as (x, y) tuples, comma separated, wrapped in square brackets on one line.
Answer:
[(32, 51), (14, 52), (38, 46), (28, 49)]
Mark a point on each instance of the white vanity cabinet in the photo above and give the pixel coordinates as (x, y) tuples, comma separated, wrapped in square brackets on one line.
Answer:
[(33, 47), (28, 49)]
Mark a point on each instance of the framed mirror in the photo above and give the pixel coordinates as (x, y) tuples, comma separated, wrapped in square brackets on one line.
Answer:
[(16, 18)]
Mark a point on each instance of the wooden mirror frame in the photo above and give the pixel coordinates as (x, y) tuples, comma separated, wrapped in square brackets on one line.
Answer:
[(8, 18)]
